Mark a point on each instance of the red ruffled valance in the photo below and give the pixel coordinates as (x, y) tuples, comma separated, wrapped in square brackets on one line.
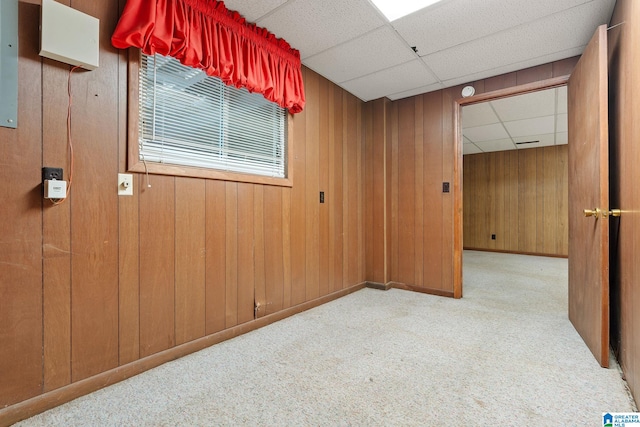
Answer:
[(204, 34)]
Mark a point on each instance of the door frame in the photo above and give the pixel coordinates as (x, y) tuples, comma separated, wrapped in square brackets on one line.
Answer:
[(458, 241)]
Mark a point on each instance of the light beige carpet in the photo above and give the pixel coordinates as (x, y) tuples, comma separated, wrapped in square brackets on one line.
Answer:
[(505, 354)]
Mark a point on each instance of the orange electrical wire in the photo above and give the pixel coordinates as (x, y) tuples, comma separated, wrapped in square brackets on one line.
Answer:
[(69, 140)]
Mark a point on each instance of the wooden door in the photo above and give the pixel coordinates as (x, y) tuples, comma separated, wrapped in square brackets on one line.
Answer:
[(589, 189)]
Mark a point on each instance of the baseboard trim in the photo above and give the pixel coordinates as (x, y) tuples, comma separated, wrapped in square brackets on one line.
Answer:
[(501, 251), (405, 287), (28, 408), (379, 286), (430, 291)]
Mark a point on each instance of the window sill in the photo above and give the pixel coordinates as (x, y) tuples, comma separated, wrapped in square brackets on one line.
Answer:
[(177, 170)]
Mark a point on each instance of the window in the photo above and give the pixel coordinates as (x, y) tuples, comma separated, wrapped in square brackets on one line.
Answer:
[(187, 118)]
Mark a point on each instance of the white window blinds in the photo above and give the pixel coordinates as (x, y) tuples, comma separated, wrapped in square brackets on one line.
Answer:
[(191, 119)]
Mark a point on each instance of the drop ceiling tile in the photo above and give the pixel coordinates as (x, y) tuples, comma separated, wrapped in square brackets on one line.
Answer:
[(543, 37), (416, 91), (477, 115), (374, 51), (543, 141), (534, 104), (253, 10), (528, 127), (562, 124), (431, 29), (562, 99), (496, 145), (486, 133), (470, 149), (312, 26), (392, 80), (562, 138)]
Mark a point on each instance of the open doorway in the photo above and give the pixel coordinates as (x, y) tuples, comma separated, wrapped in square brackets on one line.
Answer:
[(494, 96), (515, 176)]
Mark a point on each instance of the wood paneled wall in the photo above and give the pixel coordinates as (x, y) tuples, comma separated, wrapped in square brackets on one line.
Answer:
[(101, 281), (410, 150), (420, 220), (409, 153), (624, 132), (521, 197)]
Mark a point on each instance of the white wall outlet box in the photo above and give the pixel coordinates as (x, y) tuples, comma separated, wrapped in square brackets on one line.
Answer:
[(68, 35), (125, 184), (55, 189)]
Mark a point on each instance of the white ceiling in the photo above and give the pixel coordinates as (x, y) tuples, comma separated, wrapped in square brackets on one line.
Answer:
[(537, 119), (352, 44)]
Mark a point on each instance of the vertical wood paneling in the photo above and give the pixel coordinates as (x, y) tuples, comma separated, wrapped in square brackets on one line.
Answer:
[(514, 201), (500, 82), (499, 202), (393, 120), (56, 238), (20, 242), (530, 228), (564, 67), (525, 197), (94, 214), (298, 209), (336, 250), (550, 202), (287, 246), (273, 252), (406, 192), (469, 201), (534, 74), (378, 200), (157, 270), (259, 249), (562, 186), (370, 201), (231, 267), (346, 194), (245, 265), (359, 207), (216, 261), (418, 141), (491, 195), (540, 199), (449, 166), (325, 133), (190, 259), (129, 277), (432, 189), (312, 230)]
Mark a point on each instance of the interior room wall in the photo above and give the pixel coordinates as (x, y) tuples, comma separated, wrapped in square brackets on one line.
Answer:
[(520, 196), (410, 152), (100, 282), (624, 133)]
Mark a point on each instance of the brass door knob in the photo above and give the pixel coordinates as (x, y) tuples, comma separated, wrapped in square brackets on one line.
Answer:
[(597, 213), (592, 212)]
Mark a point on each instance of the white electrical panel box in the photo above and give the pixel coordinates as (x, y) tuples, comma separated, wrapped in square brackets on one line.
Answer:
[(68, 35)]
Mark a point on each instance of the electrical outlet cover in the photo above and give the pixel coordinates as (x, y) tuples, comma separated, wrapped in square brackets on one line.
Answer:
[(125, 184)]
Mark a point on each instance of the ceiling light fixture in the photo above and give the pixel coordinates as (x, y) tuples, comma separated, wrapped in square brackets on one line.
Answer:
[(394, 9)]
